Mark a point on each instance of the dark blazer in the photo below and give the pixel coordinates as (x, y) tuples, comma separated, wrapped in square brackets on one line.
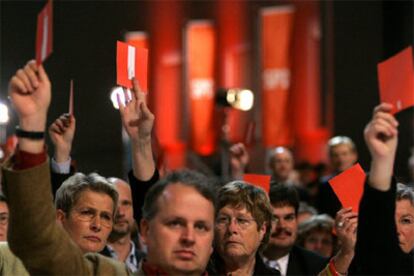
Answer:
[(305, 262), (215, 266), (377, 251)]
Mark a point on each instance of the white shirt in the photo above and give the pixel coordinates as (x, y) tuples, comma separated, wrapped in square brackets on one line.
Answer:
[(63, 167), (280, 264)]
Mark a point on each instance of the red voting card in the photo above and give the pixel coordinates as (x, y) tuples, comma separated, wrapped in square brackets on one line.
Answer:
[(396, 80), (44, 35), (71, 98), (131, 62), (260, 180), (349, 186)]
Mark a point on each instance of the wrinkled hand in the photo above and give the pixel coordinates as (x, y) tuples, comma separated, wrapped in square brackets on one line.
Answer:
[(61, 133), (137, 119), (30, 94), (239, 158), (381, 134), (346, 223)]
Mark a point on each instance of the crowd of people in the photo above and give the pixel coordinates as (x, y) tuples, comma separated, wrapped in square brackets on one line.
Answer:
[(54, 220)]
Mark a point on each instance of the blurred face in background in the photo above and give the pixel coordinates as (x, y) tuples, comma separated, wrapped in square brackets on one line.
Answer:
[(124, 219), (282, 164), (4, 220), (320, 241), (342, 157)]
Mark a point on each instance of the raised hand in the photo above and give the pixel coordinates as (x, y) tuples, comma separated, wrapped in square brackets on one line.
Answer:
[(61, 132), (138, 122), (346, 223), (30, 94), (239, 158), (381, 134), (137, 119), (381, 137)]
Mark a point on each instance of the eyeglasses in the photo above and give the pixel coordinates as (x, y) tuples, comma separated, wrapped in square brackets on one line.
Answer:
[(4, 218), (223, 221), (89, 214)]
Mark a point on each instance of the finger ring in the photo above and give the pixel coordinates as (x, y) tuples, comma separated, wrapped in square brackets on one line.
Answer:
[(340, 224)]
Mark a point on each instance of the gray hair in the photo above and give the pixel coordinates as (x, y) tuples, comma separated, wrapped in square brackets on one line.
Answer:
[(340, 140), (405, 192), (69, 193), (319, 222)]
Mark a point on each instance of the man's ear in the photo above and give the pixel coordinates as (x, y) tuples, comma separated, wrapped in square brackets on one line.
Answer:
[(262, 230), (144, 229), (60, 216)]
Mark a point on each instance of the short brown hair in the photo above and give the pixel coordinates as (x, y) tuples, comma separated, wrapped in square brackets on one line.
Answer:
[(254, 199)]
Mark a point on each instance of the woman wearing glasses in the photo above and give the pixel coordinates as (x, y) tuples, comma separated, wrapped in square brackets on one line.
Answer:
[(243, 224), (86, 207)]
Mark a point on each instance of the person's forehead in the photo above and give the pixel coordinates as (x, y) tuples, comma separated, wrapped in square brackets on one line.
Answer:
[(95, 200), (183, 200), (235, 211), (343, 147), (123, 189), (404, 207), (283, 155), (283, 210)]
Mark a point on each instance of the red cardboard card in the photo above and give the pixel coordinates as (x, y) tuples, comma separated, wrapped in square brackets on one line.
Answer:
[(44, 34), (260, 180), (131, 62), (71, 98), (396, 80), (349, 186)]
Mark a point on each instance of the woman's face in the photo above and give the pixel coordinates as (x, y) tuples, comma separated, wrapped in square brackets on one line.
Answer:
[(404, 216), (321, 242)]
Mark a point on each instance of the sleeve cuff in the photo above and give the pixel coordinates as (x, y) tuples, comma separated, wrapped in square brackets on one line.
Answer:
[(62, 167)]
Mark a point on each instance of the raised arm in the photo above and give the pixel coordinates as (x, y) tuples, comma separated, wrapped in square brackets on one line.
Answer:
[(138, 122), (34, 235), (29, 92), (381, 137), (61, 133)]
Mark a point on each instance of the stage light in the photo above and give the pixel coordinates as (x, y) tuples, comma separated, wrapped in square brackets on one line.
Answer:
[(238, 98)]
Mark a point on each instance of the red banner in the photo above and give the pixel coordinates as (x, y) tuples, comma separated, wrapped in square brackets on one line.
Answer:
[(276, 29), (200, 51)]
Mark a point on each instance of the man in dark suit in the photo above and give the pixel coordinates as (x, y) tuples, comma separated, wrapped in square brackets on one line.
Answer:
[(281, 252)]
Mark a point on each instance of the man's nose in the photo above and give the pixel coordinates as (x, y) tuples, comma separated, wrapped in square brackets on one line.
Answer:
[(188, 235)]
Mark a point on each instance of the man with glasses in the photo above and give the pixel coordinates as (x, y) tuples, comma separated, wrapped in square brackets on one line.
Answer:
[(281, 252), (242, 227)]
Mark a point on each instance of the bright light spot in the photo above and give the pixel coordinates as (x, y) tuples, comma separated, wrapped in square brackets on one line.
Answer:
[(119, 91), (246, 99), (4, 114), (241, 99)]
